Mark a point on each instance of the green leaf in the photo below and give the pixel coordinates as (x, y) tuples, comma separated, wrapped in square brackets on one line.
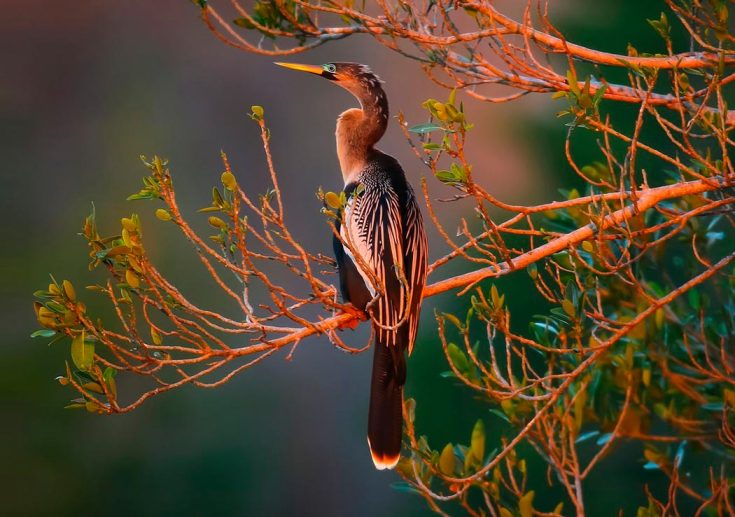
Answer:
[(459, 172), (424, 128), (456, 175), (43, 333), (661, 26), (109, 374), (602, 440), (598, 94), (458, 358), (143, 194), (694, 300), (82, 352), (500, 414), (402, 486), (56, 307), (680, 453), (586, 436)]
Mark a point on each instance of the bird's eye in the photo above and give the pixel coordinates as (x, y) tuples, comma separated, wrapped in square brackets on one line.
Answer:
[(329, 67)]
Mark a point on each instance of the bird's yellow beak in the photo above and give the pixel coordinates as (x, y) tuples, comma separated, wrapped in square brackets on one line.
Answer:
[(312, 69)]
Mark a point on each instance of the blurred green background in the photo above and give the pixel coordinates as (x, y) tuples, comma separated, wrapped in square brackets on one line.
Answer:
[(85, 90)]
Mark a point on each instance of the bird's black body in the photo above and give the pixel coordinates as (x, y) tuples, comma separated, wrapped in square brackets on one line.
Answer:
[(384, 180), (380, 247)]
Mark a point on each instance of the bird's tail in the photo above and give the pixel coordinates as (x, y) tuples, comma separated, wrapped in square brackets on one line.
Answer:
[(385, 418)]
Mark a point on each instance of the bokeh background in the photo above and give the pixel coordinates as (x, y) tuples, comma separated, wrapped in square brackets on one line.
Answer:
[(86, 89)]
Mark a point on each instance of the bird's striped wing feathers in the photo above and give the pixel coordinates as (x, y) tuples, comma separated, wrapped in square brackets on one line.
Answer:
[(373, 227), (416, 262)]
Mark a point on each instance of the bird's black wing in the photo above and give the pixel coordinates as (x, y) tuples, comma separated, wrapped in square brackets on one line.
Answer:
[(352, 283)]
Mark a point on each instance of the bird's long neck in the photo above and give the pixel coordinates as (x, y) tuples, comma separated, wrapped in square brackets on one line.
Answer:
[(359, 129)]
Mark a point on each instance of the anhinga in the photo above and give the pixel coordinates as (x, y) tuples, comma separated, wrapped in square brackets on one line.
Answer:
[(382, 224)]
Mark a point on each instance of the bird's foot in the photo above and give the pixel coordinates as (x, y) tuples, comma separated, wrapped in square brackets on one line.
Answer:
[(358, 317)]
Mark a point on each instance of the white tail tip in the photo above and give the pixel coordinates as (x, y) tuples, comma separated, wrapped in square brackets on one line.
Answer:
[(383, 462)]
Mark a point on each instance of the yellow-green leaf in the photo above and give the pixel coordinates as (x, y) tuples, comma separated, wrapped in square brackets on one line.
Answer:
[(155, 336), (109, 378), (454, 319), (217, 222), (729, 397), (646, 377), (132, 279), (258, 112), (82, 352), (477, 443), (92, 406), (580, 402), (228, 180), (69, 290), (452, 96), (659, 318), (332, 200), (495, 297), (128, 224), (447, 461), (163, 214), (93, 386), (568, 307), (411, 409), (525, 504)]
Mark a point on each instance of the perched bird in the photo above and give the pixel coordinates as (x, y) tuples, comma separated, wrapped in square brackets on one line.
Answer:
[(382, 252)]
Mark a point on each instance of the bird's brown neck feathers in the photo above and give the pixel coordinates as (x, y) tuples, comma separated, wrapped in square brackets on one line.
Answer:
[(359, 129)]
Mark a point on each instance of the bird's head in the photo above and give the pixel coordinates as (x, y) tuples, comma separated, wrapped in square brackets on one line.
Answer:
[(358, 130), (356, 78)]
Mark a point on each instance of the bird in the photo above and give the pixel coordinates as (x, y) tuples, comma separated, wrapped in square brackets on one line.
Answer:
[(381, 251)]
